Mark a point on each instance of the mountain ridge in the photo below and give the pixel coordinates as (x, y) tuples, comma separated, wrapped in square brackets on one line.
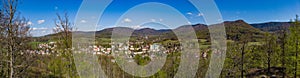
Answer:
[(234, 29)]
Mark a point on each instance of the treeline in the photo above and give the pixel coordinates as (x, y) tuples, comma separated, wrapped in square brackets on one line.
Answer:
[(275, 55)]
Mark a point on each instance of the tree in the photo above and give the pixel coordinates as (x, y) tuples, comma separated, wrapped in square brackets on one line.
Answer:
[(63, 29), (64, 44), (2, 51), (283, 43), (270, 48), (14, 39), (232, 60), (244, 41), (293, 42)]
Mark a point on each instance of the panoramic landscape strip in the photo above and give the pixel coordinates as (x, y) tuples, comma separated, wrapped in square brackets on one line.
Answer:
[(149, 39)]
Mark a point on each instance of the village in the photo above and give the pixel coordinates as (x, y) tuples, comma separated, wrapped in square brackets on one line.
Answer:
[(128, 48)]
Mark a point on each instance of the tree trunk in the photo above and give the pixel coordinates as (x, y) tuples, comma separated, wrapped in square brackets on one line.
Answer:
[(296, 63), (269, 57), (243, 53), (283, 54), (11, 66), (11, 49), (11, 45)]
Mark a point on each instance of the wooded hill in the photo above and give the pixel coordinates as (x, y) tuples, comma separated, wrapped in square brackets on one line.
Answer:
[(234, 29)]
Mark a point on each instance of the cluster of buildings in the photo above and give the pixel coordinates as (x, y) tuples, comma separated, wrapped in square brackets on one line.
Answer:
[(43, 49), (49, 48), (130, 49)]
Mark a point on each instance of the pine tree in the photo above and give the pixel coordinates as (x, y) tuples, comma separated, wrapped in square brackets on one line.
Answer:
[(283, 43), (293, 42), (270, 48), (244, 41)]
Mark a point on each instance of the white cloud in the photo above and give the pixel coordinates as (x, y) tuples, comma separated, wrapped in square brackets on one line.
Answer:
[(153, 20), (40, 31), (127, 20), (83, 21), (28, 23), (200, 14), (36, 29), (136, 27), (33, 29), (161, 20), (41, 21), (156, 20), (189, 13)]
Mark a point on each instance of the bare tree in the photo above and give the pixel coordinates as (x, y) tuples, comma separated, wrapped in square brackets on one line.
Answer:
[(64, 28), (14, 37), (2, 53), (64, 42)]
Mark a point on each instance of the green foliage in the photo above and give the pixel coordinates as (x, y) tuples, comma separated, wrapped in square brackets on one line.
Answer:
[(293, 48)]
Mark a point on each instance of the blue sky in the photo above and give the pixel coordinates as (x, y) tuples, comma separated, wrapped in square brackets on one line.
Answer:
[(42, 13)]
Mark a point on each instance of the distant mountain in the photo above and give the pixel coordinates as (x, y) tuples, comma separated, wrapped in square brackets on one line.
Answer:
[(201, 30), (106, 33), (149, 31), (234, 30), (272, 26)]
